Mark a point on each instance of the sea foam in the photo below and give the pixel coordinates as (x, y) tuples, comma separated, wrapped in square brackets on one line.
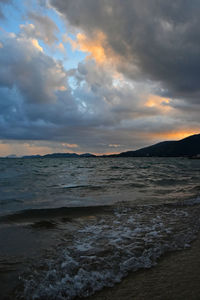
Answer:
[(103, 249)]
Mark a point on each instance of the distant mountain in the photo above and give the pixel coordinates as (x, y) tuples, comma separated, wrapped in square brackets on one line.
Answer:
[(87, 155), (189, 146), (11, 156), (60, 155), (31, 156)]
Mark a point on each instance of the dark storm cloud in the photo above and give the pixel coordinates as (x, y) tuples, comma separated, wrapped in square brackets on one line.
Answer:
[(161, 37)]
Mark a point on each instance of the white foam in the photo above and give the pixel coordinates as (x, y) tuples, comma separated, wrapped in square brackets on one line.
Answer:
[(104, 251)]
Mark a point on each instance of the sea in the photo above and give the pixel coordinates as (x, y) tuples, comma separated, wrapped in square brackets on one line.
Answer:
[(71, 226)]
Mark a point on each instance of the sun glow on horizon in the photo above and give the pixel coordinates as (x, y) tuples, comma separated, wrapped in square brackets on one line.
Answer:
[(175, 135)]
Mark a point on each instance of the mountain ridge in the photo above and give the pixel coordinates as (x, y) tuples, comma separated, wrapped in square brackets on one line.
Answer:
[(189, 146)]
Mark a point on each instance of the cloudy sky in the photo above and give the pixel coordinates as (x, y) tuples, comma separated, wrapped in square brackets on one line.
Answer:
[(99, 76)]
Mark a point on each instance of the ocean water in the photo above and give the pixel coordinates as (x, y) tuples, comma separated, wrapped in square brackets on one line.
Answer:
[(69, 227)]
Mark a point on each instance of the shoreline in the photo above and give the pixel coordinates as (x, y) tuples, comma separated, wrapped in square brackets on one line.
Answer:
[(176, 276)]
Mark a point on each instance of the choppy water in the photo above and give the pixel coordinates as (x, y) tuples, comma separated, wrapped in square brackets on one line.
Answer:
[(99, 218)]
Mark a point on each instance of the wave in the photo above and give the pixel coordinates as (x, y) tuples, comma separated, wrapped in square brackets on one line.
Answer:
[(5, 202), (100, 251), (46, 213), (80, 211), (91, 187)]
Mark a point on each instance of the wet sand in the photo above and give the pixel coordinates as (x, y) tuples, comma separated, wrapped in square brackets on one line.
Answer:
[(176, 276), (19, 245)]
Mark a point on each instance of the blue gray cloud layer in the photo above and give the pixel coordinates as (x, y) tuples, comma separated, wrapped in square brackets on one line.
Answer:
[(160, 43)]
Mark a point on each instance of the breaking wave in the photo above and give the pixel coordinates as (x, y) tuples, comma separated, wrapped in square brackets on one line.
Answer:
[(98, 252)]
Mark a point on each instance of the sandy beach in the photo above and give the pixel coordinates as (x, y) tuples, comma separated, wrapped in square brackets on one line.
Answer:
[(176, 276)]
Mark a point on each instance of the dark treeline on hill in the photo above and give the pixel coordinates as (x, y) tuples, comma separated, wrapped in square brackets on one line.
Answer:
[(189, 146)]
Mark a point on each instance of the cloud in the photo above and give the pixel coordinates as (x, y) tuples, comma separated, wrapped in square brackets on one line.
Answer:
[(98, 111), (96, 47), (123, 96), (37, 102), (160, 40), (43, 28), (24, 64)]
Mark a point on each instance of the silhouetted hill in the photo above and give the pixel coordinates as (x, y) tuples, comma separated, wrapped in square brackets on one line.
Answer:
[(189, 146), (60, 155)]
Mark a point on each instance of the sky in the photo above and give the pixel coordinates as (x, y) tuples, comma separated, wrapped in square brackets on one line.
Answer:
[(101, 76)]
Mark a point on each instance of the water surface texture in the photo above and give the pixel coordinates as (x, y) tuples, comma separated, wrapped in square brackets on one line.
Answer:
[(73, 226)]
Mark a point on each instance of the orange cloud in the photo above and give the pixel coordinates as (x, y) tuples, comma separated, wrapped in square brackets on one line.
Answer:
[(114, 145), (176, 134), (70, 145), (36, 45), (61, 88), (93, 46), (158, 102), (61, 47), (96, 46)]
